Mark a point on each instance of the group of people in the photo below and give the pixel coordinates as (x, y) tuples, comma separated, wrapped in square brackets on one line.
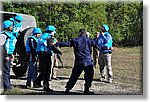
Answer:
[(83, 60), (36, 50), (42, 47)]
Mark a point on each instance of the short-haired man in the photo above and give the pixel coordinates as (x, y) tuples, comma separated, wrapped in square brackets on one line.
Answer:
[(83, 61)]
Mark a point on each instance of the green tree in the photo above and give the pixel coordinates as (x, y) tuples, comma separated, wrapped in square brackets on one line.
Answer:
[(124, 19)]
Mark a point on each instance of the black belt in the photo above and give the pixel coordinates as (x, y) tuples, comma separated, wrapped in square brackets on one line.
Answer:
[(9, 55), (42, 52), (106, 52)]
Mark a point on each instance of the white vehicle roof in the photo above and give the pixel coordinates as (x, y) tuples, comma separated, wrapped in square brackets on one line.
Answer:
[(28, 20)]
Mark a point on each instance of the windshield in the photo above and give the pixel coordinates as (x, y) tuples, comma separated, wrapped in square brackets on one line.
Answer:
[(28, 21)]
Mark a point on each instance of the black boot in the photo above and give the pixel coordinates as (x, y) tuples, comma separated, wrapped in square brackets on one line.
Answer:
[(86, 89), (67, 92), (46, 88), (37, 85)]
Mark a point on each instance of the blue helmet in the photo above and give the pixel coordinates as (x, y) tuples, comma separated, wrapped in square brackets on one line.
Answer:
[(50, 28), (19, 18), (7, 23), (36, 31), (106, 27)]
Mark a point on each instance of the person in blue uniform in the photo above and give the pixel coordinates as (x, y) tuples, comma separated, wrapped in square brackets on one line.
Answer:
[(105, 41), (44, 58), (9, 47), (31, 45), (17, 23), (83, 60)]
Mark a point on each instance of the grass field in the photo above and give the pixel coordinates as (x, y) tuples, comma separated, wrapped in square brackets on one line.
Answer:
[(127, 71), (126, 63)]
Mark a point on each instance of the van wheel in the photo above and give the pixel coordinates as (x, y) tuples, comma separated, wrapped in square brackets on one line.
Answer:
[(19, 71), (20, 53)]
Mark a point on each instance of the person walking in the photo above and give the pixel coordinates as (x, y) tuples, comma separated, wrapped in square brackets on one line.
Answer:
[(31, 45), (83, 61), (105, 41)]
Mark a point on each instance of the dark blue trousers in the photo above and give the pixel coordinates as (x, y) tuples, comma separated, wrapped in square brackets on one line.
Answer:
[(45, 69), (79, 66), (6, 75), (32, 72)]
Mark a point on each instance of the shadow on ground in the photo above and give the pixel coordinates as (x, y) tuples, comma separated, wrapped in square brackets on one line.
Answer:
[(67, 78), (16, 77), (56, 93), (39, 91)]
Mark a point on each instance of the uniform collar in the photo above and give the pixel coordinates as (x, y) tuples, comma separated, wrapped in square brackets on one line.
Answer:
[(82, 35)]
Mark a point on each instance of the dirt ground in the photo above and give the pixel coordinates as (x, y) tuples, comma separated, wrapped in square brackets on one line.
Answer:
[(99, 88)]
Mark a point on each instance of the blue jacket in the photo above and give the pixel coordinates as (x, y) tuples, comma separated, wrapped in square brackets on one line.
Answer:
[(10, 42), (96, 40), (82, 48), (105, 42), (42, 43)]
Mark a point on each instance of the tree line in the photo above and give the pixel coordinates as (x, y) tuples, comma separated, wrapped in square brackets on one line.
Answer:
[(125, 19)]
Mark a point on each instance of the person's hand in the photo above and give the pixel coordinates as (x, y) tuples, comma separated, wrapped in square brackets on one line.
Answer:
[(52, 44), (7, 59), (113, 48)]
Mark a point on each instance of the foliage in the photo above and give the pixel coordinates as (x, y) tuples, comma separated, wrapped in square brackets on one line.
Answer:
[(124, 19)]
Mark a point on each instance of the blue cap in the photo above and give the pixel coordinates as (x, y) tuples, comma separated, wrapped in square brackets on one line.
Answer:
[(36, 31), (18, 17), (106, 27), (7, 23), (50, 28)]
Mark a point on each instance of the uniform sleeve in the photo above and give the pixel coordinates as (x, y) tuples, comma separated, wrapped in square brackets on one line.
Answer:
[(65, 44), (95, 45), (4, 52), (32, 45)]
